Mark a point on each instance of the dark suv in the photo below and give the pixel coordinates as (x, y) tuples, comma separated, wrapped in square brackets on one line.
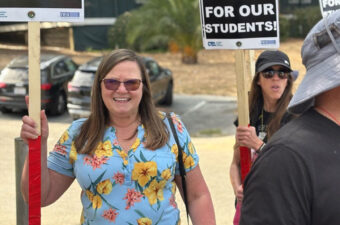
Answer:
[(56, 71), (79, 89)]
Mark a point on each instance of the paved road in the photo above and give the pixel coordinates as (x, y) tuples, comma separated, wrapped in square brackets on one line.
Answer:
[(206, 115)]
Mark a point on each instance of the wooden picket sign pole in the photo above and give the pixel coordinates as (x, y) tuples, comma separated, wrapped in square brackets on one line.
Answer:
[(242, 90), (243, 118), (34, 154), (34, 71), (251, 53), (250, 65), (242, 106)]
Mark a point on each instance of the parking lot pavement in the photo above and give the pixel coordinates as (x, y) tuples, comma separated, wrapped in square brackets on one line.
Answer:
[(205, 115), (215, 156)]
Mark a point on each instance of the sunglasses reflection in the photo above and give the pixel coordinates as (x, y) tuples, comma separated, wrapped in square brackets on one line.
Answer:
[(114, 84), (282, 74)]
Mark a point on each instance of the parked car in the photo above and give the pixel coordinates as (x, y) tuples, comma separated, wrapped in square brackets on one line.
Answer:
[(79, 88), (56, 71)]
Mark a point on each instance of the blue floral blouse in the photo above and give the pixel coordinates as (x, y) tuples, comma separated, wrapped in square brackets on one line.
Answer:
[(131, 188)]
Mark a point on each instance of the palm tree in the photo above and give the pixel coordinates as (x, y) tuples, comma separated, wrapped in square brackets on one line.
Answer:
[(170, 21)]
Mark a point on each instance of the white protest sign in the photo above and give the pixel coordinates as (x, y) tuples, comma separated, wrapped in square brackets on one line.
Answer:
[(42, 10), (329, 6), (240, 24)]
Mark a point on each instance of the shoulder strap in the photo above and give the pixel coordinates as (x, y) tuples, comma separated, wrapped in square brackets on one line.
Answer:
[(181, 164)]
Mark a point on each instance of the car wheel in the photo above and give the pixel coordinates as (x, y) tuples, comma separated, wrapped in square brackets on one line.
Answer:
[(167, 100), (59, 105)]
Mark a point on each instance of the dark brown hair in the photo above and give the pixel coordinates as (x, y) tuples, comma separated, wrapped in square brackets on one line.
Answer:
[(256, 103), (92, 131)]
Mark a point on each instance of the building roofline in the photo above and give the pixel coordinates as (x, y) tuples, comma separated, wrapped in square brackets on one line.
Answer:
[(100, 21)]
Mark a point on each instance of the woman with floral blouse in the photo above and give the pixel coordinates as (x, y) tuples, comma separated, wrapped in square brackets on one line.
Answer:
[(123, 156)]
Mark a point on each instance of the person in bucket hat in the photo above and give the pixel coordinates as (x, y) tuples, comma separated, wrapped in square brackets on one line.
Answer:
[(296, 178)]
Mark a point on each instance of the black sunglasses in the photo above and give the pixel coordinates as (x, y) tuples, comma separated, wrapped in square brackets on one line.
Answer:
[(130, 85), (282, 74)]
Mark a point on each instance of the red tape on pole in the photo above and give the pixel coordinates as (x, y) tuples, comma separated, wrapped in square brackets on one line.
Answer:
[(245, 162), (34, 199)]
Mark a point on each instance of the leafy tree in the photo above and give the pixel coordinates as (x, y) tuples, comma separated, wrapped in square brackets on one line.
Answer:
[(167, 21)]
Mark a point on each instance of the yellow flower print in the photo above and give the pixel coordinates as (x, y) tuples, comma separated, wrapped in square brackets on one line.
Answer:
[(155, 191), (107, 146), (173, 188), (63, 137), (161, 115), (143, 171), (188, 161), (166, 174), (136, 144), (144, 221), (174, 149), (89, 195), (125, 162), (73, 153), (122, 153), (104, 187), (124, 156), (97, 202), (191, 148), (104, 149)]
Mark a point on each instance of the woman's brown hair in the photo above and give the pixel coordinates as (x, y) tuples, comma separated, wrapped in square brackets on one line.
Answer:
[(92, 131), (256, 104)]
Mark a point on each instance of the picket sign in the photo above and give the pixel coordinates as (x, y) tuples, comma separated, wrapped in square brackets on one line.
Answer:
[(242, 106), (34, 71), (34, 155), (328, 6), (243, 26), (243, 116), (34, 12)]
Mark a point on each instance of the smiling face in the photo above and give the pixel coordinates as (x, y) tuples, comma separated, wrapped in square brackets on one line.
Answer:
[(121, 102), (272, 88)]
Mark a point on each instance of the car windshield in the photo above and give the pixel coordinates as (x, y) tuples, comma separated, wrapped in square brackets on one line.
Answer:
[(12, 75), (82, 78)]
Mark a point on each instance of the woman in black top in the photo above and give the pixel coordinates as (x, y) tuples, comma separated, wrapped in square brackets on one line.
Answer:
[(271, 91)]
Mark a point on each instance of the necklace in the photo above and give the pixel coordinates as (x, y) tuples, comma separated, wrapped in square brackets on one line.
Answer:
[(262, 128), (329, 114), (262, 131)]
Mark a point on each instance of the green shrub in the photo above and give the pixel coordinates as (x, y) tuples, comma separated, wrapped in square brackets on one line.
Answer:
[(299, 23), (303, 20), (284, 28)]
